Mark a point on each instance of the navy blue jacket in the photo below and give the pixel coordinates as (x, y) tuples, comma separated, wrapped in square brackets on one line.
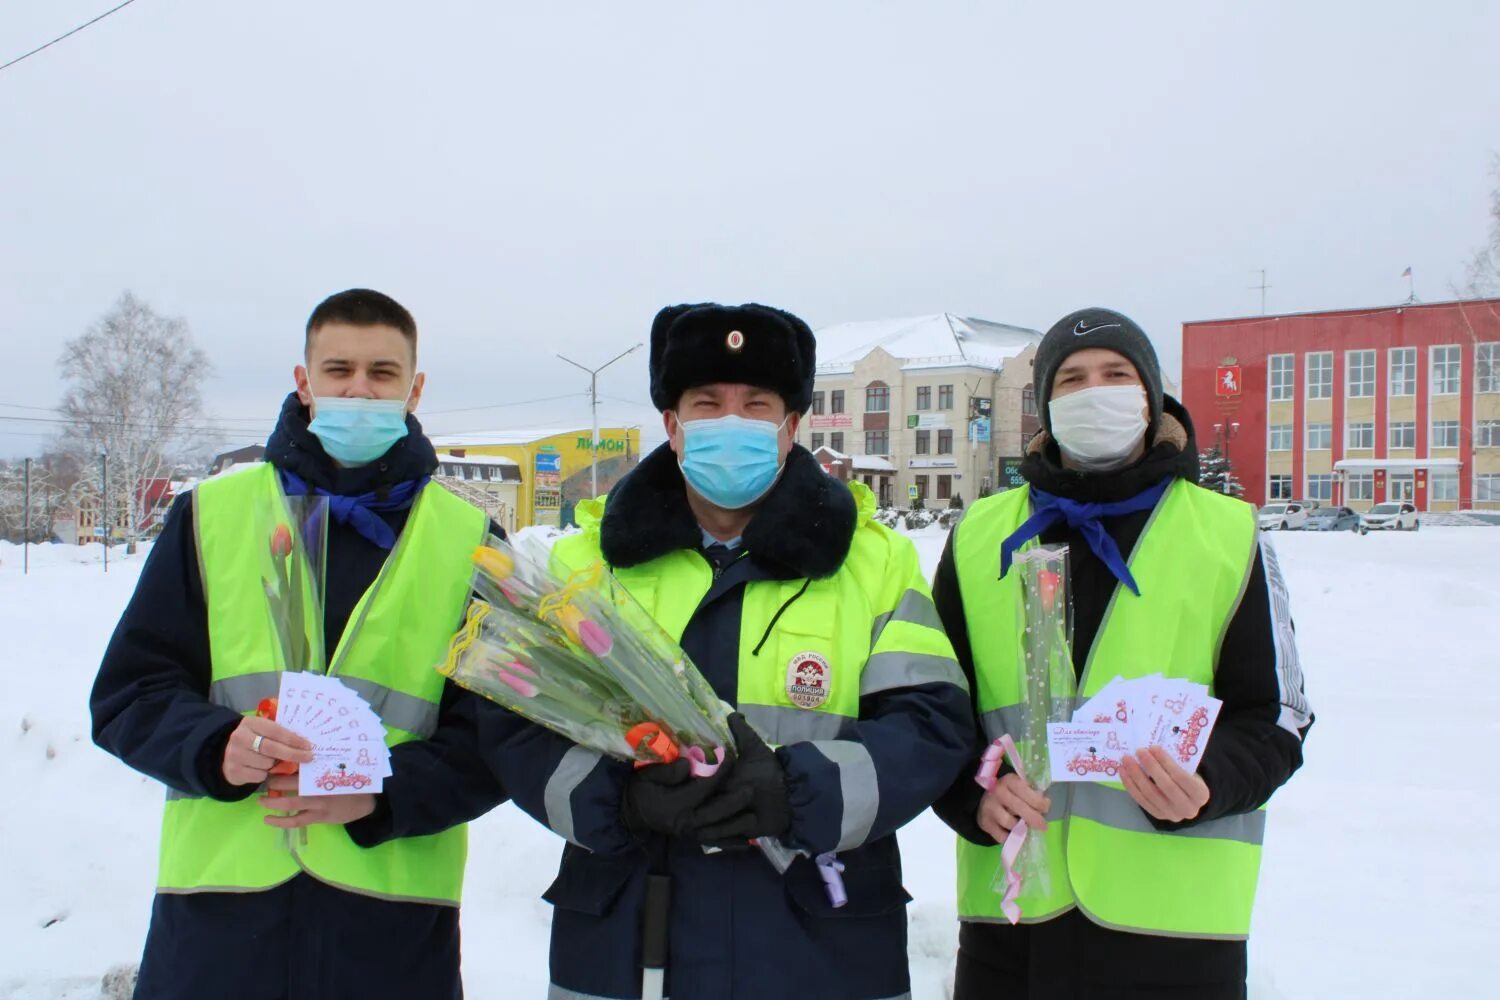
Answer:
[(150, 708), (737, 928)]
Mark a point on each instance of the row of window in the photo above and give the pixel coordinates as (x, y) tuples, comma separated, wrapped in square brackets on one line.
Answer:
[(878, 399), (1446, 365), (1360, 435), (882, 485), (879, 442), (835, 440), (945, 397), (471, 473), (944, 487), (835, 402), (1358, 486)]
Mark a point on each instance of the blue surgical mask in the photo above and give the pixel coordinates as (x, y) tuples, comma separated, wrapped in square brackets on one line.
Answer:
[(358, 431), (731, 461)]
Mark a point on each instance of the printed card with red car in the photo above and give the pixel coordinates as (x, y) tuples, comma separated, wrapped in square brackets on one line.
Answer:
[(349, 751)]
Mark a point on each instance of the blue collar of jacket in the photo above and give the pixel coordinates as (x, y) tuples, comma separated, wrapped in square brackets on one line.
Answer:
[(803, 528)]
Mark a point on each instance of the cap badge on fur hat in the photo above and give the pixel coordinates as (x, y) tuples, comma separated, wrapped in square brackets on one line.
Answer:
[(735, 341)]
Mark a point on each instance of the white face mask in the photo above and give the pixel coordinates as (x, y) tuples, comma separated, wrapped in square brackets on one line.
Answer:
[(1099, 429)]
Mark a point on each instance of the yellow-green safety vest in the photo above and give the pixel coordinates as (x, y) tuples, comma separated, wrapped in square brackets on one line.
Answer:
[(1192, 563), (397, 633), (869, 627)]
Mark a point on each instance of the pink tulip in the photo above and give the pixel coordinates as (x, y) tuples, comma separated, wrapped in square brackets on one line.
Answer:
[(525, 689), (593, 637)]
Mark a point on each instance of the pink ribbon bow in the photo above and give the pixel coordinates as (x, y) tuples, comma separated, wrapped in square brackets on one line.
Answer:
[(989, 769)]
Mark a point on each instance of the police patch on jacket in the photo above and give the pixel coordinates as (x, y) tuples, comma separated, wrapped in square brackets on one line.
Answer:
[(807, 678)]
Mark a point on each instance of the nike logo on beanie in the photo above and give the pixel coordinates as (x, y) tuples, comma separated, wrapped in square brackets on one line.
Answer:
[(1081, 327)]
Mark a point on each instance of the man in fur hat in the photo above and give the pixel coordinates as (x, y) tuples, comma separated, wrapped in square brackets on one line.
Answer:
[(814, 621)]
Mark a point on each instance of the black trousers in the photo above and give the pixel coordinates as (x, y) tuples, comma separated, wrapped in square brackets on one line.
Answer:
[(302, 940), (1072, 958)]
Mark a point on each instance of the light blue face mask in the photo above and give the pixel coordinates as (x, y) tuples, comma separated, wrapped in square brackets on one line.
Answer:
[(358, 431), (731, 461)]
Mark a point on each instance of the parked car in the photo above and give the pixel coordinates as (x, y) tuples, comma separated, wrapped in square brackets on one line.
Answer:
[(1283, 516), (1392, 515), (1333, 519)]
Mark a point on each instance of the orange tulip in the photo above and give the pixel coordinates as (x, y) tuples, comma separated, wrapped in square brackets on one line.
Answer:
[(281, 541)]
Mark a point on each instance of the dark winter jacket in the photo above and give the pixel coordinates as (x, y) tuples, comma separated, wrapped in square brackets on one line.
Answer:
[(150, 708), (1257, 741), (737, 929)]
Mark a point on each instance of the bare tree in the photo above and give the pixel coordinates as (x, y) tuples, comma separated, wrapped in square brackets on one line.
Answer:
[(1478, 310), (1482, 277), (52, 478), (134, 381)]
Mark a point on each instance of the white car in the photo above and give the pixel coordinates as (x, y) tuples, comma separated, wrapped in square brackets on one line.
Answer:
[(1394, 515), (1282, 516)]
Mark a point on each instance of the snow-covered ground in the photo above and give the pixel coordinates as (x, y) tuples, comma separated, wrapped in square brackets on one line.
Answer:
[(1379, 878)]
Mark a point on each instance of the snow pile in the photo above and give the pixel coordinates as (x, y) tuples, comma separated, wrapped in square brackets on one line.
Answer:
[(1377, 878)]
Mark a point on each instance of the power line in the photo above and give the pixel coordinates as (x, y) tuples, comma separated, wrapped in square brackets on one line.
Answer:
[(263, 420), (63, 426), (630, 402), (84, 414), (497, 406), (59, 38)]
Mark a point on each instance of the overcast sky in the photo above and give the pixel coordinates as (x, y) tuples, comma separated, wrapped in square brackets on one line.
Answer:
[(538, 178)]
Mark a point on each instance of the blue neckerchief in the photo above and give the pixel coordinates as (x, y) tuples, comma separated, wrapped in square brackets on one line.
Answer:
[(361, 512), (1050, 510)]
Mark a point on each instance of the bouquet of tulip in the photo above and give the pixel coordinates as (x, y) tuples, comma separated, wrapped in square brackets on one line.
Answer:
[(580, 656), (1048, 684)]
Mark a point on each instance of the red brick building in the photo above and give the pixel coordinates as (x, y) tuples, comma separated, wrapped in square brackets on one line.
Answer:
[(1354, 406)]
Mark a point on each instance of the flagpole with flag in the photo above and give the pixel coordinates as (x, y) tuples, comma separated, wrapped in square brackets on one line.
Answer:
[(1411, 287)]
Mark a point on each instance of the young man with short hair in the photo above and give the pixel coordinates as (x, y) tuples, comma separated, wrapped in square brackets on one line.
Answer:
[(288, 897), (1152, 878)]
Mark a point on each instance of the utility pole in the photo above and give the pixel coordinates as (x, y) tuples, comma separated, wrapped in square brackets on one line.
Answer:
[(26, 523), (594, 405), (1262, 286), (104, 504)]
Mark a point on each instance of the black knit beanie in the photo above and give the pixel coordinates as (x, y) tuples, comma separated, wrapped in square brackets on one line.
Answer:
[(1095, 327)]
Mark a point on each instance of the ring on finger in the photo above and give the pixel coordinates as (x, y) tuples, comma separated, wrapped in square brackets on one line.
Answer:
[(255, 743)]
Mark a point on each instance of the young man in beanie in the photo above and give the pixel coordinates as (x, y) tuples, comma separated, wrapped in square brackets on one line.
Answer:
[(809, 617), (291, 897), (1152, 877)]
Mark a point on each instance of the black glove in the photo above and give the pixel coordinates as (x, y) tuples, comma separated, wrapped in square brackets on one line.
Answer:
[(662, 798), (753, 801)]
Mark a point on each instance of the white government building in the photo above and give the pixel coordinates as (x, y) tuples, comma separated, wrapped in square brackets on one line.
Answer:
[(929, 406)]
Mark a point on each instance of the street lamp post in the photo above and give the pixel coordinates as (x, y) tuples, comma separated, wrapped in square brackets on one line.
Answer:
[(104, 503), (594, 405)]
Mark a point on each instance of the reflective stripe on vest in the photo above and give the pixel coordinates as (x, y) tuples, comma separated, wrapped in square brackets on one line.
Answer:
[(1192, 562), (387, 654), (869, 635)]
